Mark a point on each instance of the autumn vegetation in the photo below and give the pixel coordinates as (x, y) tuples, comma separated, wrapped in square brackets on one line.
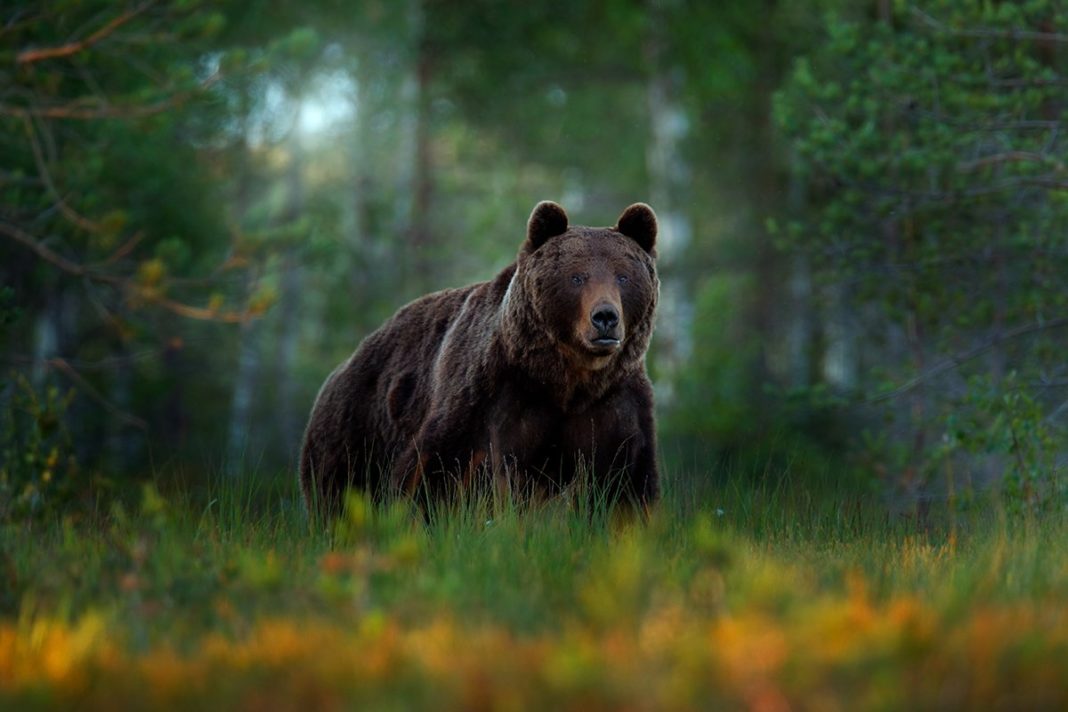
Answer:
[(765, 600)]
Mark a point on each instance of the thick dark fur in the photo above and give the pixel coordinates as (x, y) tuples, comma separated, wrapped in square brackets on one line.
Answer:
[(513, 383)]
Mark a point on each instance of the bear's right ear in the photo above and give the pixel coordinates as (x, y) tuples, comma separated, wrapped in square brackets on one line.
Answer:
[(638, 222), (547, 220)]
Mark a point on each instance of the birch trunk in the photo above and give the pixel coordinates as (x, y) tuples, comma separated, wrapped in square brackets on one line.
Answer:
[(248, 360), (668, 181)]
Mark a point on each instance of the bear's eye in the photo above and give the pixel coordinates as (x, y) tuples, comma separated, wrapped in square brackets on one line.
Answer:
[(622, 278), (577, 280)]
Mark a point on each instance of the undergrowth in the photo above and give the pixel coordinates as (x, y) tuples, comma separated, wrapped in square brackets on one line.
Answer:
[(747, 592)]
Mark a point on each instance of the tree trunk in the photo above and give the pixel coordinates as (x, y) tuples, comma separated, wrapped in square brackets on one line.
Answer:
[(363, 177), (45, 340), (248, 360), (288, 420), (248, 367), (668, 183), (121, 445), (420, 234), (800, 327), (840, 356)]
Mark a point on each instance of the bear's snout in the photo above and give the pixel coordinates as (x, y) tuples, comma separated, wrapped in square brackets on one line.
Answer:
[(606, 334), (605, 319)]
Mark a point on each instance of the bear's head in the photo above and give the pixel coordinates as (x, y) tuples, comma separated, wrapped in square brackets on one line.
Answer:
[(593, 291)]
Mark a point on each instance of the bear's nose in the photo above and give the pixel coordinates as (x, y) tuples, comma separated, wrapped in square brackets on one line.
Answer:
[(605, 318)]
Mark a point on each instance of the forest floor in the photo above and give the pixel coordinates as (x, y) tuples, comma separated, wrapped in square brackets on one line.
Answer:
[(764, 598)]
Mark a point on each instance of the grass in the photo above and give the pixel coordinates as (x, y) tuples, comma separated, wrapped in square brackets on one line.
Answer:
[(739, 595)]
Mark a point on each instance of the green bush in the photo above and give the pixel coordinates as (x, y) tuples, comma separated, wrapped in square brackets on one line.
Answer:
[(38, 468)]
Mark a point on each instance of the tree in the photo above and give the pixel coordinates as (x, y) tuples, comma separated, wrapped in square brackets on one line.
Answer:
[(930, 146)]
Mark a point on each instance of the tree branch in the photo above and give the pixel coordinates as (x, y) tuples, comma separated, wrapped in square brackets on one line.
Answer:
[(124, 249), (109, 363), (92, 110), (150, 297), (1056, 413), (61, 365), (1010, 34), (49, 255), (1009, 157), (46, 176), (1053, 183), (1029, 83), (965, 356), (36, 55)]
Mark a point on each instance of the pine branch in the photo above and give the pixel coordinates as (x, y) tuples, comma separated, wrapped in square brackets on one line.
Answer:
[(92, 110), (30, 56), (1010, 157), (963, 357), (49, 255), (79, 270), (990, 33), (46, 176), (62, 366)]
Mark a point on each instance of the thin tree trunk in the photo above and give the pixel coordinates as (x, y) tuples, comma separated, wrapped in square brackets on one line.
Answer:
[(289, 313), (840, 357), (668, 183), (800, 329), (288, 339), (120, 448), (769, 267), (363, 180), (403, 188), (421, 237), (175, 415), (45, 340), (248, 360), (248, 367), (884, 10)]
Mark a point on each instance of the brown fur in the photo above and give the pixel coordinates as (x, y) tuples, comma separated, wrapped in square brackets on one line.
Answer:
[(499, 384)]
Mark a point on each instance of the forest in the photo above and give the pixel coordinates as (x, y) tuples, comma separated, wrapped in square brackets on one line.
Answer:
[(858, 362)]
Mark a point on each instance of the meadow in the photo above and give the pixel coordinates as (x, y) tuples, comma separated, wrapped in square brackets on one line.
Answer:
[(735, 595)]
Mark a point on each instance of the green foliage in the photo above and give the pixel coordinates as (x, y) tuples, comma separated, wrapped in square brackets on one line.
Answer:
[(715, 389), (38, 467), (1006, 419), (9, 309), (930, 151), (724, 409), (298, 171)]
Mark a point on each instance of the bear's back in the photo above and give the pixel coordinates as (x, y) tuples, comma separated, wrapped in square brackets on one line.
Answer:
[(389, 373)]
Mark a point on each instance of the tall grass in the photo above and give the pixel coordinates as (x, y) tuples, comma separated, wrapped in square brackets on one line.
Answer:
[(741, 589)]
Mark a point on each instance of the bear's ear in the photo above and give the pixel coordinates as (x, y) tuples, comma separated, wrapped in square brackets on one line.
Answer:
[(547, 220), (638, 222)]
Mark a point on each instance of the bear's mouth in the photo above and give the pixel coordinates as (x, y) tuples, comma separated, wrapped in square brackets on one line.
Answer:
[(604, 344)]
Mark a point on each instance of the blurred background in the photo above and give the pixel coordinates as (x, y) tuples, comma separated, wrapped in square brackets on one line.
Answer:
[(204, 206)]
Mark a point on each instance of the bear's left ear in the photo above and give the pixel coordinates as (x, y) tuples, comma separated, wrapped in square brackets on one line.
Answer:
[(547, 220), (638, 222)]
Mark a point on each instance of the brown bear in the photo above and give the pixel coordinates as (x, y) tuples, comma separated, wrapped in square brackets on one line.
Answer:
[(506, 387)]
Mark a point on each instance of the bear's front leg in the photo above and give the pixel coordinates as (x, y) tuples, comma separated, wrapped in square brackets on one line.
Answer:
[(407, 472), (615, 442), (441, 464), (644, 489), (524, 450), (643, 473)]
